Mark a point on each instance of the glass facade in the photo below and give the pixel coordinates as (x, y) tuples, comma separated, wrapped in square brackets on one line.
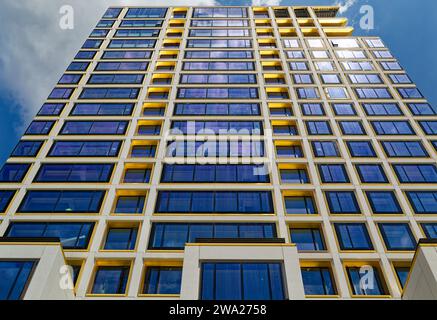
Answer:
[(173, 127)]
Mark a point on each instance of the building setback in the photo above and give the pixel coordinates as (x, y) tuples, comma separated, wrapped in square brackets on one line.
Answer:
[(224, 153)]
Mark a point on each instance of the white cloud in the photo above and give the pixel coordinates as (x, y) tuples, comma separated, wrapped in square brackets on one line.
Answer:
[(344, 6), (266, 2), (35, 51)]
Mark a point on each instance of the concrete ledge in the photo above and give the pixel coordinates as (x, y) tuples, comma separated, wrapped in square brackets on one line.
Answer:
[(197, 253), (51, 279), (422, 279)]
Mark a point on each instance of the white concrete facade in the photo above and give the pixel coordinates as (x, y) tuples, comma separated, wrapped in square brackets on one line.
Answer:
[(305, 30)]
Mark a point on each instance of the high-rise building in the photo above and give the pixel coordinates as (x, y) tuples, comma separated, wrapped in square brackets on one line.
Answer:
[(224, 153)]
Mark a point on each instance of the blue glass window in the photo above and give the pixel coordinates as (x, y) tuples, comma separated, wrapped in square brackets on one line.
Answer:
[(5, 199), (218, 65), (357, 65), (352, 127), (382, 109), (143, 151), (371, 173), (140, 23), (343, 109), (404, 149), (116, 79), (397, 236), (307, 93), (318, 127), (73, 235), (13, 172), (410, 93), (384, 54), (110, 280), (122, 33), (402, 274), (217, 127), (333, 173), (215, 43), (94, 127), (51, 109), (353, 236), (105, 23), (52, 172), (162, 280), (325, 149), (62, 201), (416, 173), (112, 13), (361, 149), (15, 276), (373, 93), (218, 78), (400, 78), (330, 78), (288, 130), (219, 23), (102, 109), (242, 281), (78, 66), (127, 54), (85, 149), (213, 173), (383, 202), (152, 130), (307, 239), (318, 281), (359, 280), (146, 13), (70, 78), (215, 109), (217, 93), (214, 202), (121, 239), (27, 148), (91, 44), (230, 12), (85, 55), (130, 204), (289, 152), (219, 33), (430, 230), (122, 66), (422, 109), (295, 54), (212, 149), (303, 78), (109, 93), (336, 93), (298, 66), (173, 236), (39, 127), (99, 33), (430, 127), (392, 127), (300, 205), (294, 176), (312, 109), (132, 43), (137, 175), (218, 54), (423, 201), (342, 202), (365, 78)]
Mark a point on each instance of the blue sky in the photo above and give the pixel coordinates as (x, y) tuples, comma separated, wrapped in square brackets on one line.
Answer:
[(35, 51)]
